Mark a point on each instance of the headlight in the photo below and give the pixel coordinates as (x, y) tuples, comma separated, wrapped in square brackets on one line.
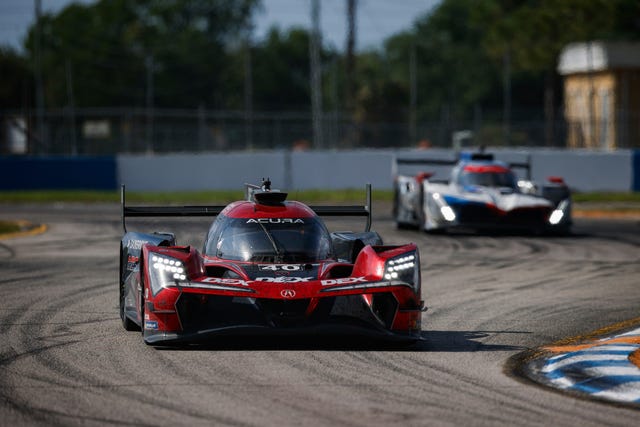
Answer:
[(557, 215), (448, 213), (445, 210), (165, 271), (404, 268)]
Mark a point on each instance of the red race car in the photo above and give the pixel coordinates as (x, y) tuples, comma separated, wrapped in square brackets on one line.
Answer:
[(267, 266)]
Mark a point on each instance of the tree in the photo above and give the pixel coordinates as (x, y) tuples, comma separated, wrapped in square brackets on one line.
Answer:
[(16, 88), (281, 70), (111, 45), (463, 47), (535, 32), (453, 71)]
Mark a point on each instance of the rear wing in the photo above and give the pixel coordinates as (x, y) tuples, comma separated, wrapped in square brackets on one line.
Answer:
[(526, 165), (214, 210), (439, 162)]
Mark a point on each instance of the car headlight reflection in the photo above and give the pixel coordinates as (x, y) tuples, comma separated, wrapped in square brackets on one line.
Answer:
[(165, 271), (405, 268)]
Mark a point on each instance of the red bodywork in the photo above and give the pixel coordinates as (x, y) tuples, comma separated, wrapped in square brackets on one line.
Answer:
[(389, 307)]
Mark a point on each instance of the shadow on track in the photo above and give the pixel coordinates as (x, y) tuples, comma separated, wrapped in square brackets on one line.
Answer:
[(463, 341), (430, 341)]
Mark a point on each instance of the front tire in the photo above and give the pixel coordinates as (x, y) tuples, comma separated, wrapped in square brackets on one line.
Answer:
[(127, 324)]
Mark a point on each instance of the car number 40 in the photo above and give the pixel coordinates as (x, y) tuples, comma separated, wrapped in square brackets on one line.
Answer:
[(282, 267)]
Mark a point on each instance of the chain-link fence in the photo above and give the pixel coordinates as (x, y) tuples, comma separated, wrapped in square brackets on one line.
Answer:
[(120, 130)]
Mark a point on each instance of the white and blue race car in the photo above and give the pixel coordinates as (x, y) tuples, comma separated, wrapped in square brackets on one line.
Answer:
[(481, 193)]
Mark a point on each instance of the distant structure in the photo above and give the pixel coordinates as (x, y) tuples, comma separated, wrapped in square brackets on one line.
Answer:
[(601, 94)]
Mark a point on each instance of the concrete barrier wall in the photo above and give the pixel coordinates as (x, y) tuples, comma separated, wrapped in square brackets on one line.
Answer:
[(582, 170), (587, 171), (208, 171), (340, 169)]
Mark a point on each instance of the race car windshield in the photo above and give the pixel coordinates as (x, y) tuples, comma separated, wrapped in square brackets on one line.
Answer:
[(489, 179), (269, 240)]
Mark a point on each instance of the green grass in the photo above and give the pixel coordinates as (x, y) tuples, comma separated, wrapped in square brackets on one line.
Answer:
[(607, 197), (353, 196), (8, 227)]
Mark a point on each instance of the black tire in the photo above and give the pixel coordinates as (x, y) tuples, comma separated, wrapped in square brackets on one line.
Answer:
[(396, 212), (127, 324), (422, 213), (143, 302)]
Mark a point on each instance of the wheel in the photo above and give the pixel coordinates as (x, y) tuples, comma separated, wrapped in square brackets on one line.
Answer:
[(127, 324), (142, 304)]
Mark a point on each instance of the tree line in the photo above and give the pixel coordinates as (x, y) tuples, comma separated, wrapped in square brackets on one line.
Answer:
[(458, 57)]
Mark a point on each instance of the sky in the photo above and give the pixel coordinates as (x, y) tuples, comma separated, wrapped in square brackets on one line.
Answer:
[(376, 19)]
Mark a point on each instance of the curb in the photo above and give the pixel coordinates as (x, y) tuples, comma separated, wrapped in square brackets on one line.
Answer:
[(606, 214), (27, 229), (602, 365)]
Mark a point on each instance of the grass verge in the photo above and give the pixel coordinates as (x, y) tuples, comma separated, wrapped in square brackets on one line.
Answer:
[(356, 196), (7, 227), (601, 197)]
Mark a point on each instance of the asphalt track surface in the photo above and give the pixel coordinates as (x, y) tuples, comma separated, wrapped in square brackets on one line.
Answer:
[(65, 359)]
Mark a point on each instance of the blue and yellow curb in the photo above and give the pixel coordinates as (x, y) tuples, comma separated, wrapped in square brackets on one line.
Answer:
[(605, 368)]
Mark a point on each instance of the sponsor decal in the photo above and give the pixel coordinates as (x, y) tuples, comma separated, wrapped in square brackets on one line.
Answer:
[(288, 293), (281, 267), (343, 281), (283, 279), (135, 244), (132, 262), (275, 221), (151, 324), (240, 282), (223, 281)]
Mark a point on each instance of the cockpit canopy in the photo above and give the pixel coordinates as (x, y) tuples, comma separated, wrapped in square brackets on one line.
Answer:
[(278, 240), (486, 176)]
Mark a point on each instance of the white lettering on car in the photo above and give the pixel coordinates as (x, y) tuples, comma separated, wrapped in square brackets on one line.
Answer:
[(223, 281), (275, 221), (282, 279), (343, 281), (135, 244), (283, 267)]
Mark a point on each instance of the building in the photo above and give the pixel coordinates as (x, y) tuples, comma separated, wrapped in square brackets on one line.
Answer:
[(602, 94)]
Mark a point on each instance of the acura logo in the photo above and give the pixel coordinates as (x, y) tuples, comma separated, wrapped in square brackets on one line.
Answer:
[(288, 293)]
